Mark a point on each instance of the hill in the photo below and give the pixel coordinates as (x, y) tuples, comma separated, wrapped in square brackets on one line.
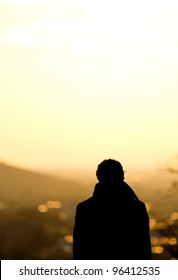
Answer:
[(25, 187)]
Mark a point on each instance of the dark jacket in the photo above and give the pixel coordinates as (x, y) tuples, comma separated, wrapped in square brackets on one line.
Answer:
[(112, 224)]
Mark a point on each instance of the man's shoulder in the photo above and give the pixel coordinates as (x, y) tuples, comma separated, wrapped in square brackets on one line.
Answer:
[(85, 203), (138, 207), (138, 203)]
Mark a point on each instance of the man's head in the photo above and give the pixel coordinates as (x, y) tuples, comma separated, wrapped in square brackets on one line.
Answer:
[(110, 171)]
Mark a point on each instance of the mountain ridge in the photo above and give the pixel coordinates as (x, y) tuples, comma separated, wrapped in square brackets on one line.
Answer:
[(26, 187)]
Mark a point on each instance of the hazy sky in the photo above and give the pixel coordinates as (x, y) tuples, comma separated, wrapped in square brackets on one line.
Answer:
[(81, 81)]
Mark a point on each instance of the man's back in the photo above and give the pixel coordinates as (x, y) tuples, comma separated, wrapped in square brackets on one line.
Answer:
[(111, 226)]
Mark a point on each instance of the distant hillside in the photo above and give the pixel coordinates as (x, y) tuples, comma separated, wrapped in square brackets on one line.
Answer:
[(160, 188), (29, 188), (26, 187)]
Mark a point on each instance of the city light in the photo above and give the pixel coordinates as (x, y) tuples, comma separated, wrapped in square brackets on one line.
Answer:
[(57, 204), (157, 249), (154, 240), (68, 238), (62, 216), (174, 216), (42, 208), (50, 204), (54, 204), (172, 241)]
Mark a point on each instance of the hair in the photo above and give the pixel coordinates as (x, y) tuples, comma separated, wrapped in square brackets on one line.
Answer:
[(110, 170)]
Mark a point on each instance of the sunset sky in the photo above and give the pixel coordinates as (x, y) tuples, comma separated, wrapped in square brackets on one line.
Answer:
[(81, 81)]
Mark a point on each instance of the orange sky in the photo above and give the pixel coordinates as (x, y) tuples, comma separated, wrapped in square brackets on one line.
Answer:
[(86, 80)]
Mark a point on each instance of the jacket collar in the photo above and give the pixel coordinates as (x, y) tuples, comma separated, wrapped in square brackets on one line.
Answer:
[(116, 191)]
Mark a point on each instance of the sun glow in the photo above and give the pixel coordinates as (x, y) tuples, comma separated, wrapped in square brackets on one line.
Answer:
[(88, 79)]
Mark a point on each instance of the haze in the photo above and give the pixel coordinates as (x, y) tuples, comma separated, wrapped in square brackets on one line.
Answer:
[(86, 80)]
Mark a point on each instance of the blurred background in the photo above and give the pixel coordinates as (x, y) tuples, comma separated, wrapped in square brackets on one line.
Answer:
[(82, 81)]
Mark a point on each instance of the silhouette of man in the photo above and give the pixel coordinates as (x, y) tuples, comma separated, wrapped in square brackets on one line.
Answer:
[(113, 224)]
